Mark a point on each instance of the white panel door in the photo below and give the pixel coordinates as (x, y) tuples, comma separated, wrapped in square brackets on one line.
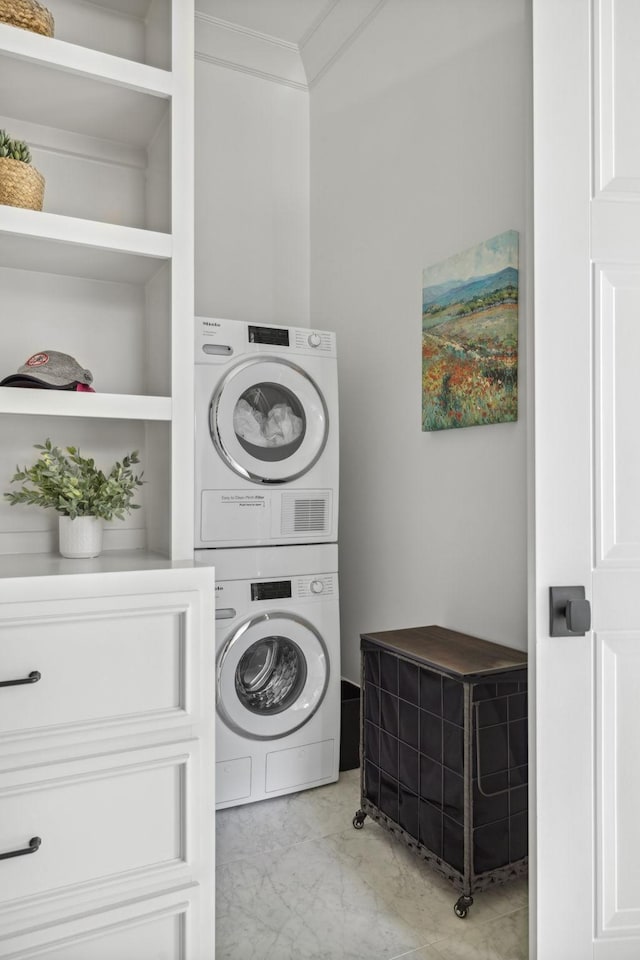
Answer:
[(587, 293)]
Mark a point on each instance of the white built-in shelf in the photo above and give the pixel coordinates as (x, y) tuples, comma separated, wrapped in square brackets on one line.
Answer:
[(68, 403), (18, 565), (51, 243), (63, 85)]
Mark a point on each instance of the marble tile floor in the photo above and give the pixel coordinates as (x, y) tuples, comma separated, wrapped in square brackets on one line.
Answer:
[(295, 881)]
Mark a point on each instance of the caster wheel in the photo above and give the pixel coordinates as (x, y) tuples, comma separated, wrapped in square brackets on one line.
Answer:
[(461, 906), (358, 820)]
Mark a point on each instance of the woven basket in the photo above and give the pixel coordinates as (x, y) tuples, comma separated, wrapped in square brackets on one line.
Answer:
[(20, 184), (27, 14)]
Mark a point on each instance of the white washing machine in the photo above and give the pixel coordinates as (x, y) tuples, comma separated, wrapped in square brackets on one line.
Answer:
[(278, 670), (266, 407)]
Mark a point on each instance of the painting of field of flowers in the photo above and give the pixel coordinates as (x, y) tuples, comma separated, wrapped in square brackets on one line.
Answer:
[(470, 337)]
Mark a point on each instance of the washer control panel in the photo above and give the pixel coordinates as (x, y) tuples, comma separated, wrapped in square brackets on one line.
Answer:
[(315, 587), (233, 597)]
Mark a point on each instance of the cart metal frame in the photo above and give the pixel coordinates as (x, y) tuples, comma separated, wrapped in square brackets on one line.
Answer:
[(468, 881)]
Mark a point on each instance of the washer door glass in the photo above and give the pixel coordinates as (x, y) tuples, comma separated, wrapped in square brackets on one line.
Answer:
[(268, 420), (272, 676)]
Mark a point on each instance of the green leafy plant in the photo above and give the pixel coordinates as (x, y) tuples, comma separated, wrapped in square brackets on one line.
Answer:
[(14, 149), (72, 485)]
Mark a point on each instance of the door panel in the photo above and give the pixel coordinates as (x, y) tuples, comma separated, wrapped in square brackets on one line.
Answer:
[(617, 821), (587, 475), (617, 89), (617, 396)]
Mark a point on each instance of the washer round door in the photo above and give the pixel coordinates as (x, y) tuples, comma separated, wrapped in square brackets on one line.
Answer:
[(272, 676), (268, 420)]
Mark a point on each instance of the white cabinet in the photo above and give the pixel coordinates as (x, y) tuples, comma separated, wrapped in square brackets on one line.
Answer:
[(106, 757), (106, 753), (105, 271)]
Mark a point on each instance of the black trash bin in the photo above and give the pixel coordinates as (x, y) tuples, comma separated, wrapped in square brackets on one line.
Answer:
[(349, 725)]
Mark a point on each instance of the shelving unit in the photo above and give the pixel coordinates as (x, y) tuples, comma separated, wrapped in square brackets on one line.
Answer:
[(106, 749), (105, 271)]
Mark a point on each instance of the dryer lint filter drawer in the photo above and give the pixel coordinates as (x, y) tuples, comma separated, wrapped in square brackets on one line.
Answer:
[(236, 516), (298, 766)]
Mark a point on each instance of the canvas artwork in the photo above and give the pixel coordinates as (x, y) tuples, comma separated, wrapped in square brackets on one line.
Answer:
[(470, 337)]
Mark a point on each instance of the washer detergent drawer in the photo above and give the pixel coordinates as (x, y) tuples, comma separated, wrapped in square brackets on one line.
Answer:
[(100, 819), (115, 658), (298, 766)]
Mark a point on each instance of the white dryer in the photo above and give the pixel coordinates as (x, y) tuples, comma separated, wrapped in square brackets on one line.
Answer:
[(278, 670), (266, 410)]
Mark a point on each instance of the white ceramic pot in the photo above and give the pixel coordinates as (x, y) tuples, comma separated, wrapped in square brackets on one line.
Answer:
[(80, 536)]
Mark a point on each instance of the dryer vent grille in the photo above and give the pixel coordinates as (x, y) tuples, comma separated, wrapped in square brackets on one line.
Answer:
[(305, 514)]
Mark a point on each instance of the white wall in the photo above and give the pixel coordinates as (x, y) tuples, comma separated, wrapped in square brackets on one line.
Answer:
[(419, 149), (252, 197)]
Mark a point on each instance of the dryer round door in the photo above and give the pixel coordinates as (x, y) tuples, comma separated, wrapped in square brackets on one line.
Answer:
[(272, 676), (268, 420)]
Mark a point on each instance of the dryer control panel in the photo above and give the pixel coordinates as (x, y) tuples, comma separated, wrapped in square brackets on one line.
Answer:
[(218, 340)]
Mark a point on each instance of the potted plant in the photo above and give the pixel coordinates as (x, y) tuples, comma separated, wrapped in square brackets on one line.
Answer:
[(21, 185), (82, 494), (27, 14)]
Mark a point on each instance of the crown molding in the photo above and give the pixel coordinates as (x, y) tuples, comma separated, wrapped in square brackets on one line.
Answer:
[(218, 22), (297, 65), (239, 48), (334, 34), (317, 23)]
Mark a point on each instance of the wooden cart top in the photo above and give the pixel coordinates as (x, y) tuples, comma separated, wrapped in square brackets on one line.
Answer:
[(448, 651)]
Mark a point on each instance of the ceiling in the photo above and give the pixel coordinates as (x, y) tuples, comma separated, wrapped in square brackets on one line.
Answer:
[(290, 20)]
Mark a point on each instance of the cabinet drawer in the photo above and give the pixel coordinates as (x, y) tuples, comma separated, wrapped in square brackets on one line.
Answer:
[(100, 661), (117, 817), (159, 927), (157, 939)]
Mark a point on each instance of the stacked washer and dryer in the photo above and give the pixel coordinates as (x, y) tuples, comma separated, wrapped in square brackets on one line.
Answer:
[(267, 519)]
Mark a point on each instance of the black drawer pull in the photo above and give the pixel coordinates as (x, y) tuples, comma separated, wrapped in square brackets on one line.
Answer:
[(33, 677), (34, 846)]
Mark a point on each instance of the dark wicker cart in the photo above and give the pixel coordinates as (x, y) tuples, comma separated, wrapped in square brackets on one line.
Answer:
[(444, 752)]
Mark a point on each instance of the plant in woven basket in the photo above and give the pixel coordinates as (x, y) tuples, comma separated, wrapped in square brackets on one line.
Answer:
[(74, 486), (27, 14), (21, 185), (14, 149)]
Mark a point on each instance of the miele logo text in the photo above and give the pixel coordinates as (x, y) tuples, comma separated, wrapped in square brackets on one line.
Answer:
[(210, 323)]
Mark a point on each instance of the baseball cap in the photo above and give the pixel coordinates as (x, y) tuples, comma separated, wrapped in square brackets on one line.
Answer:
[(52, 370)]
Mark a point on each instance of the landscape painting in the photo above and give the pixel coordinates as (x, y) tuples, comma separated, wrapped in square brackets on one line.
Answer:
[(470, 337)]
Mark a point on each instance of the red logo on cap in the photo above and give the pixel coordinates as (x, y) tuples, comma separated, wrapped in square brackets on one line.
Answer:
[(37, 360)]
